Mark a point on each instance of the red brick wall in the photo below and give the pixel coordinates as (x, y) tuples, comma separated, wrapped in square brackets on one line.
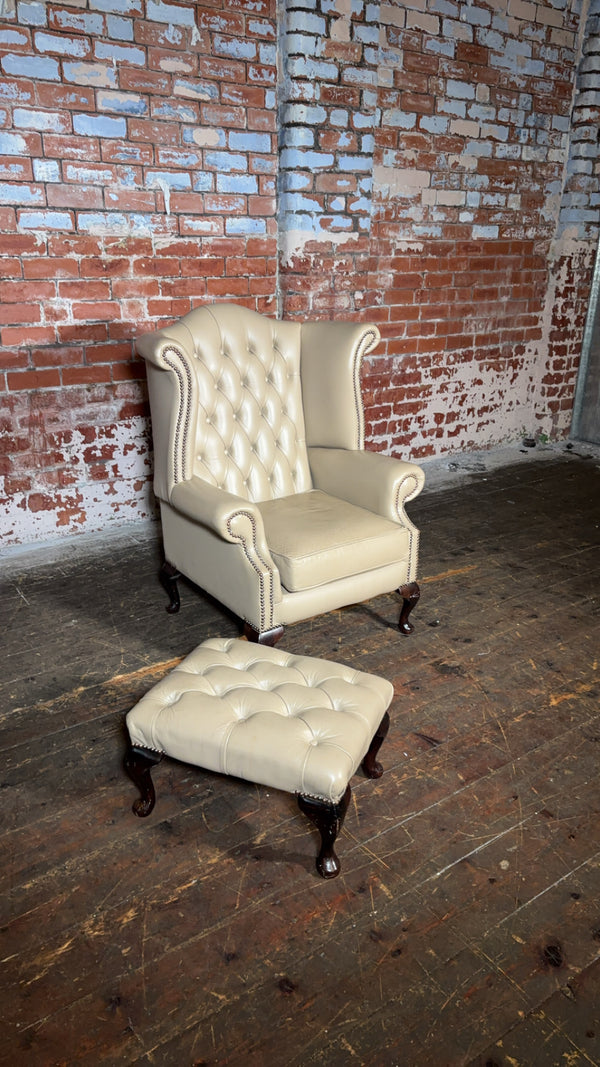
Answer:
[(436, 164)]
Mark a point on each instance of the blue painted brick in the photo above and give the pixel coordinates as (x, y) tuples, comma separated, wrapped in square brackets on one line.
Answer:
[(218, 137), (292, 181), (366, 121), (293, 158), (476, 16), (355, 162), (250, 142), (46, 170), (366, 34), (234, 47), (305, 23), (77, 47), (439, 47), (238, 227), (40, 120), (485, 232), (41, 67), (203, 183), (237, 183), (90, 74), (120, 53), (99, 126), (175, 16), (339, 117), (103, 221), (305, 113), (165, 109), (460, 90), (300, 44), (32, 14), (12, 144), (174, 179), (174, 157), (45, 220), (297, 137), (226, 161), (197, 89), (123, 103), (80, 21), (116, 7), (313, 70), (299, 222), (434, 123), (17, 193), (297, 204), (119, 29), (267, 54)]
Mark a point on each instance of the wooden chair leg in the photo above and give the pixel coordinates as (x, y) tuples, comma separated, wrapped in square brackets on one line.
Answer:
[(370, 764), (329, 819), (168, 579), (410, 594), (264, 637), (138, 765)]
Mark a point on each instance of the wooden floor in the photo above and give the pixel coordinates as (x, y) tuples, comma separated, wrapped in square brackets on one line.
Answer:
[(465, 926)]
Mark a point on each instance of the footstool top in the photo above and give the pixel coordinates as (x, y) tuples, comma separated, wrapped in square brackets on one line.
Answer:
[(290, 722)]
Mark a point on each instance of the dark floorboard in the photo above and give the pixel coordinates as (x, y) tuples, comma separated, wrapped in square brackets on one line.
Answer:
[(465, 926)]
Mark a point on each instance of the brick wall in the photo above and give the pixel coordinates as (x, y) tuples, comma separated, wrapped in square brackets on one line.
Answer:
[(138, 155), (445, 153), (431, 165)]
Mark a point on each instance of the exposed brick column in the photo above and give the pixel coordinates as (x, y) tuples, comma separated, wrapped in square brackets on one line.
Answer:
[(329, 55)]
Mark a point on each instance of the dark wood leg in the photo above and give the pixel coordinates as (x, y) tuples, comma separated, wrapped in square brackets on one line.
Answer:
[(168, 579), (410, 594), (329, 819), (138, 764), (264, 637), (370, 765)]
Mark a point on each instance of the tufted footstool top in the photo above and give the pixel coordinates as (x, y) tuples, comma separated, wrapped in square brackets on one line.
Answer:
[(290, 722)]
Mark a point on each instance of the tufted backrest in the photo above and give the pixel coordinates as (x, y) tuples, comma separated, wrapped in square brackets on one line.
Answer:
[(249, 435)]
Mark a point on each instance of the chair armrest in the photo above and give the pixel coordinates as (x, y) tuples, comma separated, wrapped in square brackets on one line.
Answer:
[(230, 516), (370, 480)]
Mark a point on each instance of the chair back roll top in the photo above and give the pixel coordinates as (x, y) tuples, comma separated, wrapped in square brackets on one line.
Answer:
[(242, 426)]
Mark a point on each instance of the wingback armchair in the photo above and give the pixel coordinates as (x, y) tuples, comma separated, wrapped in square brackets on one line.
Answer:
[(268, 500)]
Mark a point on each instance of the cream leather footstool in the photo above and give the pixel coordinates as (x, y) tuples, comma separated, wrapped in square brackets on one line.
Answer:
[(288, 722)]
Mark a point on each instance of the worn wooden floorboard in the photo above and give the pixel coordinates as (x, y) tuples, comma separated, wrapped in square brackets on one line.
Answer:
[(465, 926)]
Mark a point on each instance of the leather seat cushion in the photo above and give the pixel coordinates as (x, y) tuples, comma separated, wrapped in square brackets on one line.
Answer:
[(291, 722), (315, 538)]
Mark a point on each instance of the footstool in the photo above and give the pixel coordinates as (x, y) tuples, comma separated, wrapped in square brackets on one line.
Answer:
[(288, 722)]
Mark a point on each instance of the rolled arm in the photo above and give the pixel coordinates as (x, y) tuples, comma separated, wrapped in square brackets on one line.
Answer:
[(228, 515), (370, 480)]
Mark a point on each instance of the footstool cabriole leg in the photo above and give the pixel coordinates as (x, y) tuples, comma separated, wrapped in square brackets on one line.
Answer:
[(138, 765), (370, 764), (328, 819)]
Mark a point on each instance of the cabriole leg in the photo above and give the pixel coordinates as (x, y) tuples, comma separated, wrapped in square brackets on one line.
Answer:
[(410, 594), (328, 819), (168, 577), (264, 637), (370, 764), (138, 765)]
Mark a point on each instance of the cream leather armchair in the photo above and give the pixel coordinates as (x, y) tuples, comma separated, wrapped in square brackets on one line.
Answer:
[(268, 500)]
